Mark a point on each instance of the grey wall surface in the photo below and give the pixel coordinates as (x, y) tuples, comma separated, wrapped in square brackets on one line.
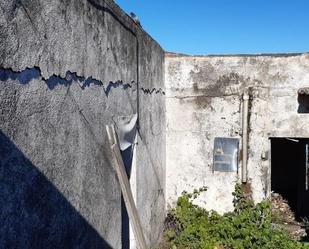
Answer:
[(204, 101), (68, 68), (151, 157)]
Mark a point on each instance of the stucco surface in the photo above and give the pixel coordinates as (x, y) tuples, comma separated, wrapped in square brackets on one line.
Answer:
[(151, 155), (68, 68)]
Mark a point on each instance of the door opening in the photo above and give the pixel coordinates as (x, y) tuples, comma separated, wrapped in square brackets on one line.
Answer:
[(289, 173)]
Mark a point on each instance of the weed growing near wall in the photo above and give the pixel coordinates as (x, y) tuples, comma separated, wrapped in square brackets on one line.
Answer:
[(247, 227)]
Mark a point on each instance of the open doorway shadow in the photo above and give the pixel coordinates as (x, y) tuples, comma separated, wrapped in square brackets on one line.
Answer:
[(33, 213), (289, 173)]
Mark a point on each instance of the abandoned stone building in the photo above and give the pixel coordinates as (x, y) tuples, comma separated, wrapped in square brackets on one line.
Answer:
[(238, 118), (68, 68)]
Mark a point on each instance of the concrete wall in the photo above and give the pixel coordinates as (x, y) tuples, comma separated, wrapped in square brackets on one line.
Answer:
[(204, 102), (151, 148), (68, 68)]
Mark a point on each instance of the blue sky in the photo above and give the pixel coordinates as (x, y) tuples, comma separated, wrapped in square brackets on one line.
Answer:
[(225, 26)]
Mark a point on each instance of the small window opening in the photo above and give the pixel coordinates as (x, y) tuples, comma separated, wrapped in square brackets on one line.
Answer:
[(303, 100)]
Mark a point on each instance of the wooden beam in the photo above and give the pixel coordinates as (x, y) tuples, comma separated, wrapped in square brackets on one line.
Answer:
[(125, 187)]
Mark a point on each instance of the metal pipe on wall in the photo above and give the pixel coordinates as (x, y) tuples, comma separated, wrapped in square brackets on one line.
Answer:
[(245, 121)]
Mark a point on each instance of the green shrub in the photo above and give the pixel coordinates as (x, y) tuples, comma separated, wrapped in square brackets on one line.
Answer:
[(248, 226)]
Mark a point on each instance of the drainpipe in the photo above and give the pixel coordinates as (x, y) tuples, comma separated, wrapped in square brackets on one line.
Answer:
[(245, 121)]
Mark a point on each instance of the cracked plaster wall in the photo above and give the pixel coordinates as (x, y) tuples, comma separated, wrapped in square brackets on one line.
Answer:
[(68, 68), (204, 101)]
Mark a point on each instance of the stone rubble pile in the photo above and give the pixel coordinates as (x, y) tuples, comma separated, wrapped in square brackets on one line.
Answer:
[(281, 209), (284, 217)]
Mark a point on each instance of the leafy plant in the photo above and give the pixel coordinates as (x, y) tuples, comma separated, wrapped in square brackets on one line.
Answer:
[(247, 227)]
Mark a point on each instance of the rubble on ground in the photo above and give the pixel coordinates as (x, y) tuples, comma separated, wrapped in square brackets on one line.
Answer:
[(284, 217), (281, 209)]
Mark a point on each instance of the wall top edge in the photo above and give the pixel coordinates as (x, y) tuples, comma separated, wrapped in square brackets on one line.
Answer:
[(171, 55), (127, 18)]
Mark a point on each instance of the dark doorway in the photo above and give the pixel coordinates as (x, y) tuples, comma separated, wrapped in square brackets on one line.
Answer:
[(289, 172)]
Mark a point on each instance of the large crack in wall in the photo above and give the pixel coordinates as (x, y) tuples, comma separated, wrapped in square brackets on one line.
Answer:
[(25, 76), (153, 90)]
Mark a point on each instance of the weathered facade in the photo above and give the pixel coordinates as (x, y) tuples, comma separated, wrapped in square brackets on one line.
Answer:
[(67, 69), (205, 100)]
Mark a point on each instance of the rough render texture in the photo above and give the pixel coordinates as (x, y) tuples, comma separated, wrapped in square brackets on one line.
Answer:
[(204, 102), (150, 156), (68, 68)]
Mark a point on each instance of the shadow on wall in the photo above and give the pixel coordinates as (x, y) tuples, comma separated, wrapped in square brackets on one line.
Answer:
[(127, 156), (33, 213)]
